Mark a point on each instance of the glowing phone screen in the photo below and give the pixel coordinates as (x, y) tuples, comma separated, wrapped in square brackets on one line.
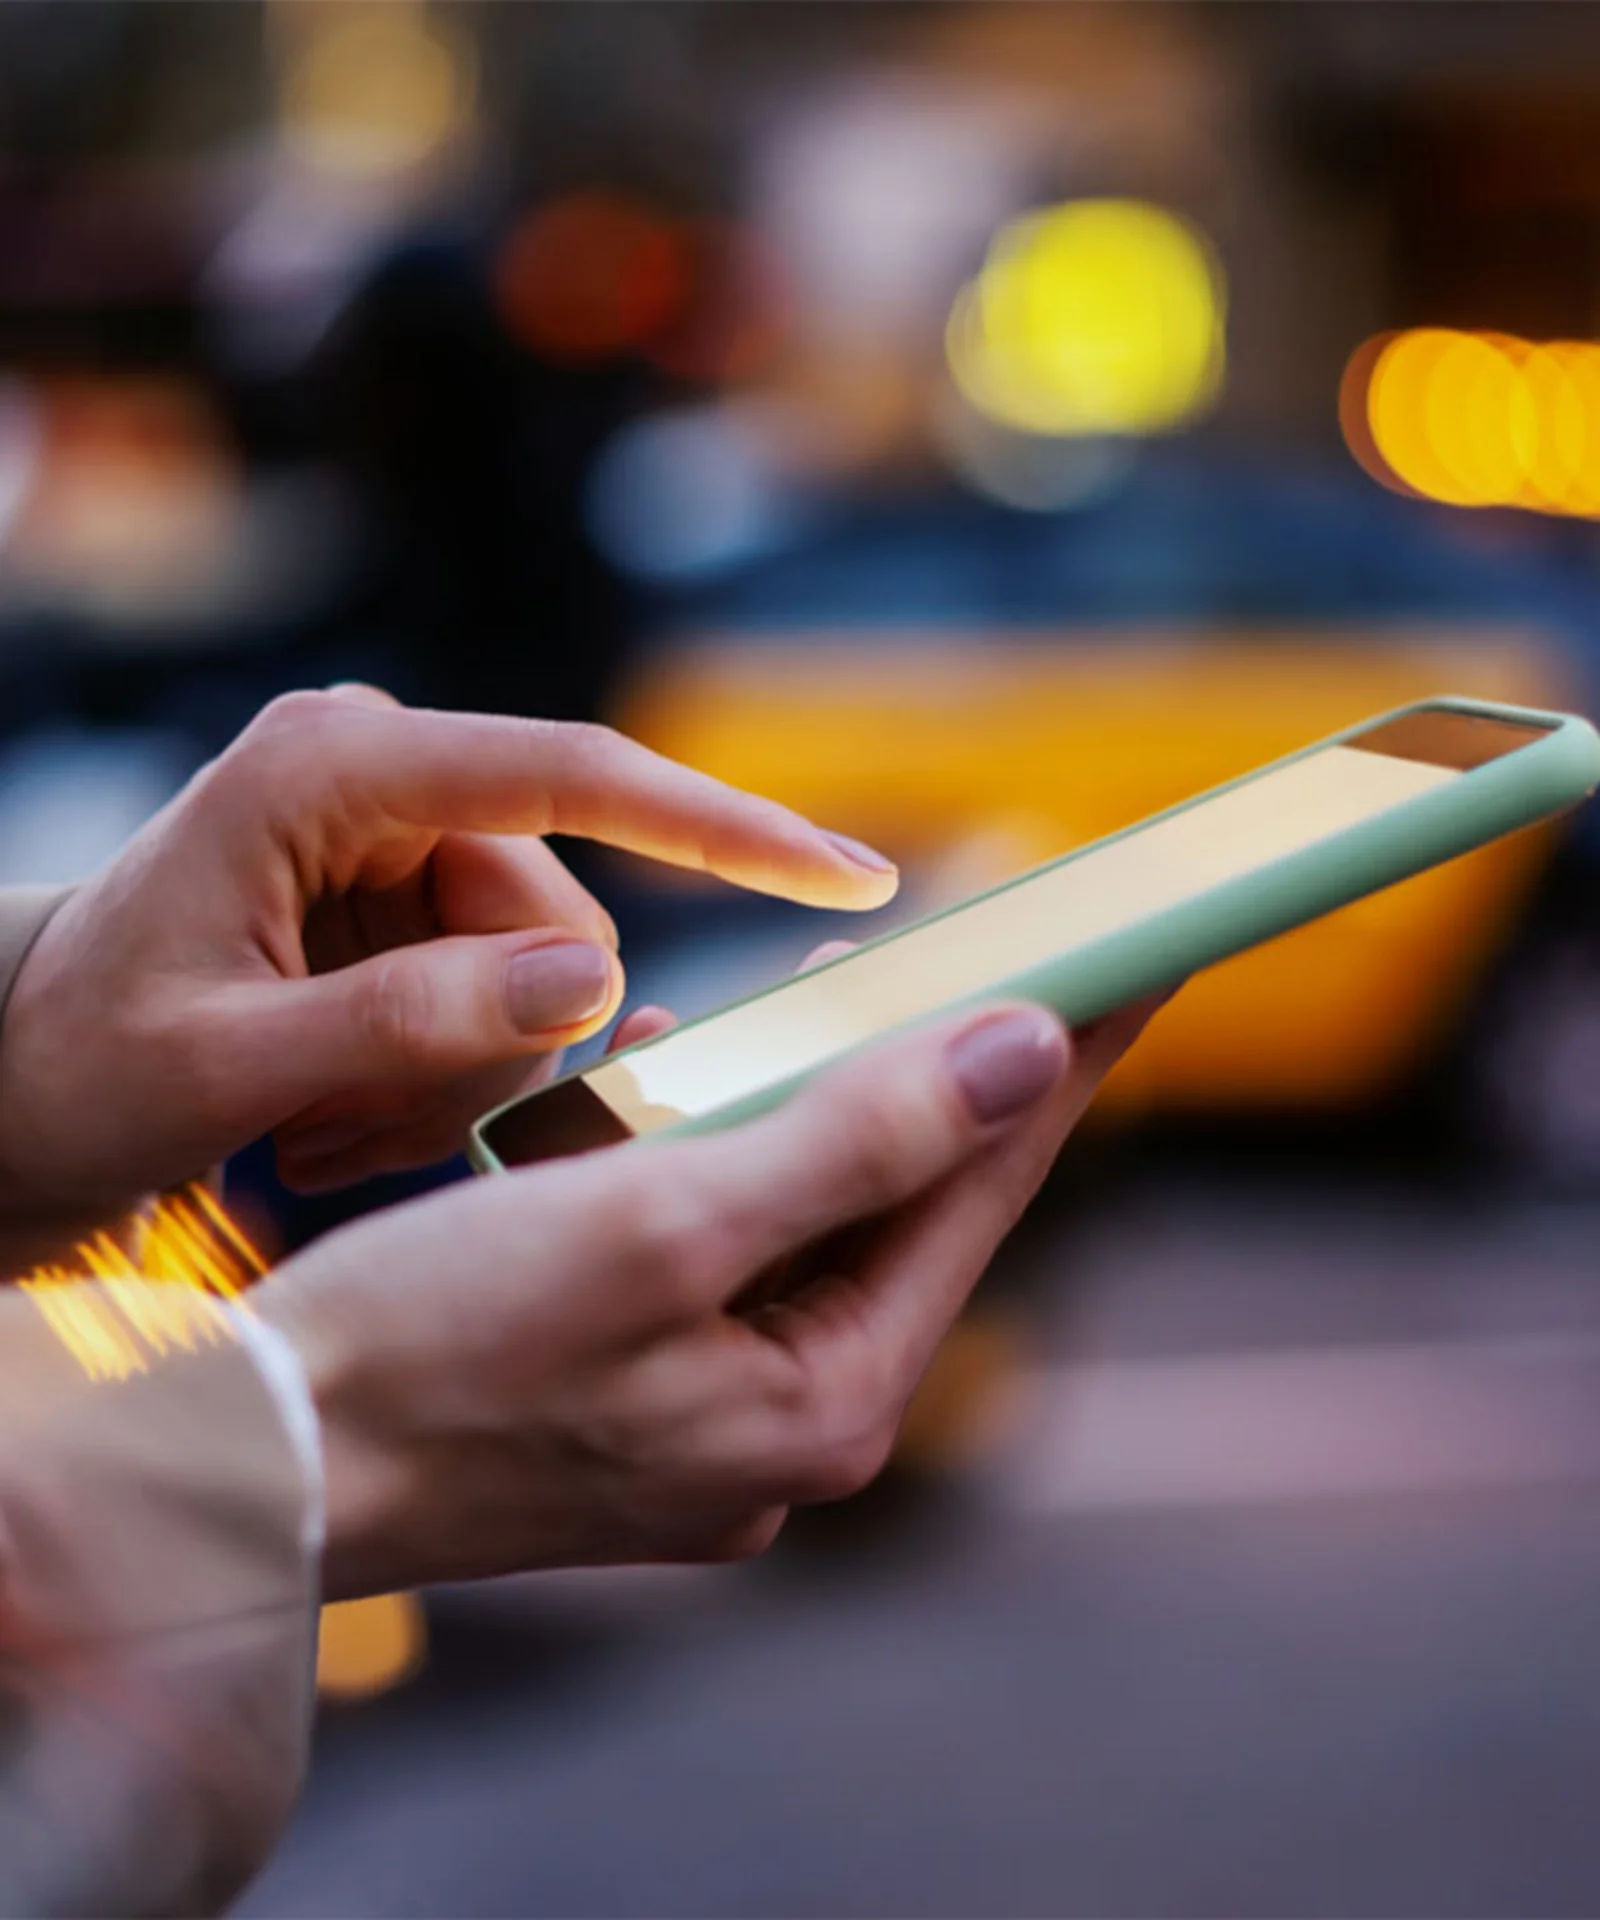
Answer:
[(730, 1055)]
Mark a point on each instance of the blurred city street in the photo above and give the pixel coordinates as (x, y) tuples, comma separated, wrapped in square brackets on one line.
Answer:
[(977, 426), (1281, 1598)]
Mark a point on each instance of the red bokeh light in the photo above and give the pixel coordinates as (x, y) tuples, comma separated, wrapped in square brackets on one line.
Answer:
[(589, 276)]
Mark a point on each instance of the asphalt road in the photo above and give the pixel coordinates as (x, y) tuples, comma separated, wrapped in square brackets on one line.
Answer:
[(1283, 1597)]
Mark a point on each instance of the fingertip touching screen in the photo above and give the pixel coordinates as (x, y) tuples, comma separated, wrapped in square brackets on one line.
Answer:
[(728, 1056)]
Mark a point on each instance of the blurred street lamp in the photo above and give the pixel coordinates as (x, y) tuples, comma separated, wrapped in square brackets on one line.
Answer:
[(1098, 317), (1478, 419), (374, 89)]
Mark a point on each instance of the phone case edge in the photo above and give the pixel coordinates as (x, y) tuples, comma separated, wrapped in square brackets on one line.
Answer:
[(1495, 799)]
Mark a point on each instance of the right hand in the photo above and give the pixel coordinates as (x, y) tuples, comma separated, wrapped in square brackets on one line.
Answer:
[(347, 931), (553, 1367)]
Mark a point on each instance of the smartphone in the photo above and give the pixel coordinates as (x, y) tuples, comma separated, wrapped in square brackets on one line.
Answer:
[(1101, 926)]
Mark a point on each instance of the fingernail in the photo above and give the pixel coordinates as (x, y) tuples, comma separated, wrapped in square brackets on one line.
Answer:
[(858, 853), (556, 986), (1007, 1062)]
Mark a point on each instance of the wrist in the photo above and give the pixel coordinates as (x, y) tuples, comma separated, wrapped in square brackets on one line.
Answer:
[(362, 1481), (284, 1376)]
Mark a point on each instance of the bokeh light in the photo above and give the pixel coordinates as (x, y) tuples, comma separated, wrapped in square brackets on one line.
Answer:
[(1477, 419), (595, 274), (590, 275), (1580, 401), (374, 91), (131, 492), (728, 324), (689, 494), (1096, 317), (369, 1646), (21, 447), (1030, 472)]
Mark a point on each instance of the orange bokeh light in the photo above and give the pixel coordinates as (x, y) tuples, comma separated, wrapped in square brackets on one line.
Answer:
[(1557, 427), (1353, 411), (1477, 419), (1581, 364), (1400, 413)]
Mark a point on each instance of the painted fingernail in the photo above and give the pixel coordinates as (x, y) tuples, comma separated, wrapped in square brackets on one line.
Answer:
[(556, 986), (859, 854), (1007, 1062)]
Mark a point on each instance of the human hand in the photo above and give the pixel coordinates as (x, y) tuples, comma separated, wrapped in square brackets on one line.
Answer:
[(346, 931), (552, 1367)]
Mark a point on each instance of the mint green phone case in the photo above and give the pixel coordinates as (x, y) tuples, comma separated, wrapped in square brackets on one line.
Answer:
[(1516, 790)]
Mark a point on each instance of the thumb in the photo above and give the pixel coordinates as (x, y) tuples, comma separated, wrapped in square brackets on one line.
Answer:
[(436, 1010)]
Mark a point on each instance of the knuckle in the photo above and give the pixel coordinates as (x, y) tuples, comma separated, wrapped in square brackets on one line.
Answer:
[(877, 1142), (848, 1463), (747, 1541), (610, 1436), (292, 716), (593, 736), (209, 1100), (678, 1245), (852, 1419), (192, 1044), (397, 1013), (290, 736), (793, 1396), (580, 740)]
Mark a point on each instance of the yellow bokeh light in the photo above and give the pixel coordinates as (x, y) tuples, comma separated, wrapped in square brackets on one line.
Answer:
[(368, 1646), (121, 1304), (375, 90), (1098, 317), (1478, 419)]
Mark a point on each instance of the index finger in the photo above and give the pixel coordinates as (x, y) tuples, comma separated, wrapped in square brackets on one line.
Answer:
[(491, 773)]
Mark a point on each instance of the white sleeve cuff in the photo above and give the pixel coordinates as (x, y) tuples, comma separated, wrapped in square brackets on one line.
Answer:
[(280, 1367)]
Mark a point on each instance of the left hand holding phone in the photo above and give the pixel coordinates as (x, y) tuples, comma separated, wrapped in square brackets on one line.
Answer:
[(586, 1388)]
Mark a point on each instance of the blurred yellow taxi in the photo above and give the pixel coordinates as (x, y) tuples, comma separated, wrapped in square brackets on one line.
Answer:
[(977, 757)]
